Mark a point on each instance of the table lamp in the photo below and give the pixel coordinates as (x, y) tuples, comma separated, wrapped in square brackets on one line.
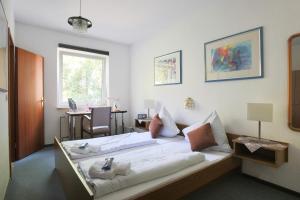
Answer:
[(149, 104), (261, 112), (113, 102)]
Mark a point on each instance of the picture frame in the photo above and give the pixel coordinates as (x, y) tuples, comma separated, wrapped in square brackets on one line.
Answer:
[(3, 51), (168, 69), (235, 57)]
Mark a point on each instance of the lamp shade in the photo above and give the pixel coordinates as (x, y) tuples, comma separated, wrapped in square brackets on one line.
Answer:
[(149, 103), (260, 112)]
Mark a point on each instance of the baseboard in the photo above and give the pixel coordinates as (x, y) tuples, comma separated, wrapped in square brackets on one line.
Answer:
[(278, 187), (5, 189), (49, 145)]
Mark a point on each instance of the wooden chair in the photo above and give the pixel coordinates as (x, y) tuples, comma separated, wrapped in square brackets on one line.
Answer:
[(98, 123)]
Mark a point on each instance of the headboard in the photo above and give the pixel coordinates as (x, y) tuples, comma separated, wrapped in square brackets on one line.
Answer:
[(181, 127), (230, 137)]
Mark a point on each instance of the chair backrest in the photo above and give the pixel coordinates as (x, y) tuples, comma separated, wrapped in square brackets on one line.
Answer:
[(101, 116)]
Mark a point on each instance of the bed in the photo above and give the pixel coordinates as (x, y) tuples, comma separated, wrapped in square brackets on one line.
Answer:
[(172, 186)]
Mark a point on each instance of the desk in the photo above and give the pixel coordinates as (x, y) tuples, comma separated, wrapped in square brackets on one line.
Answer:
[(116, 120), (71, 119)]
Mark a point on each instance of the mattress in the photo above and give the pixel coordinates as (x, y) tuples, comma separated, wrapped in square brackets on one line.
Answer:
[(211, 157), (176, 144), (146, 164)]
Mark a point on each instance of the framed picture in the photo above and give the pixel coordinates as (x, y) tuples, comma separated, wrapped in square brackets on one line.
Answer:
[(238, 56), (3, 51), (167, 69)]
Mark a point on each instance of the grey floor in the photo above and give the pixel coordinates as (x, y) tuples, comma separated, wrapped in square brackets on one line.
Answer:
[(34, 178)]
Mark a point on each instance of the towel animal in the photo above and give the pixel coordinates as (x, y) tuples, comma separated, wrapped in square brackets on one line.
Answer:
[(117, 168)]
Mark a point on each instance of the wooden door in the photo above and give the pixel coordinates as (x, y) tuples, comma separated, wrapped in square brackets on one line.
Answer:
[(30, 75)]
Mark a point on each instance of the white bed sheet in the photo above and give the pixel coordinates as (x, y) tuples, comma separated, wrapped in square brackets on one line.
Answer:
[(159, 141), (179, 144), (110, 144), (145, 166)]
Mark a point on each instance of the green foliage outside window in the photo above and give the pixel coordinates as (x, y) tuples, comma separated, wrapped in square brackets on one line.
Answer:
[(82, 79)]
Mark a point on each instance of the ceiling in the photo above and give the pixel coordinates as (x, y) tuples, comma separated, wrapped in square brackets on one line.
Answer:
[(123, 21)]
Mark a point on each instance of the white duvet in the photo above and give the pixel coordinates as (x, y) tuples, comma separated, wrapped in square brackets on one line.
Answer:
[(110, 144), (146, 164)]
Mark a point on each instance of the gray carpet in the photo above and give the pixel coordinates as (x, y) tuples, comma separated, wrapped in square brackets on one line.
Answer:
[(237, 186), (34, 178)]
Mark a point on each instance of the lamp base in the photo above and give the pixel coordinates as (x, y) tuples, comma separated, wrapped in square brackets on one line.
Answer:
[(259, 130)]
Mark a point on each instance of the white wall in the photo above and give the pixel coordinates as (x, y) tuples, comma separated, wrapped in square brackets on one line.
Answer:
[(4, 141), (4, 145), (9, 11), (44, 42), (216, 19)]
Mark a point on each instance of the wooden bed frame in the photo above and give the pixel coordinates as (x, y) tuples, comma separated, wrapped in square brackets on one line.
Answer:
[(75, 186)]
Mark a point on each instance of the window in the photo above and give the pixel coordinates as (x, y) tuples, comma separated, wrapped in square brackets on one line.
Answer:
[(82, 75)]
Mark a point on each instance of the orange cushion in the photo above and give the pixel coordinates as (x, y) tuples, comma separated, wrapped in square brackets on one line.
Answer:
[(201, 138), (155, 126)]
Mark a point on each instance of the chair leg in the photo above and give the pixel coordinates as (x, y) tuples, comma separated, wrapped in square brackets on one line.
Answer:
[(81, 127)]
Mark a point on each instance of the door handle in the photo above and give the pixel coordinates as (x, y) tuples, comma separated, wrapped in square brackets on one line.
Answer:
[(42, 101)]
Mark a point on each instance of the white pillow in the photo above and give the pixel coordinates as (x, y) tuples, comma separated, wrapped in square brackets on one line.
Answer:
[(169, 128), (217, 129)]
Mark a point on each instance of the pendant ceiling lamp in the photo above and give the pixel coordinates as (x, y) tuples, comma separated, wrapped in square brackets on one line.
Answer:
[(80, 24)]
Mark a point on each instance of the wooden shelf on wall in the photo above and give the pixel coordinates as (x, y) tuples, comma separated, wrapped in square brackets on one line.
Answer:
[(266, 155), (142, 124)]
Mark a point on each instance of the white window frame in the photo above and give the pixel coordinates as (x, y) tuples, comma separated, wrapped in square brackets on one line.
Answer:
[(105, 74)]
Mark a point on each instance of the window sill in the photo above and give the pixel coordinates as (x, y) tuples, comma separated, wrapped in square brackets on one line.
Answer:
[(62, 107)]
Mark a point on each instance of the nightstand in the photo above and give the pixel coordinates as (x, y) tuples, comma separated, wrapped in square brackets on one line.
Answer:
[(142, 124), (270, 153)]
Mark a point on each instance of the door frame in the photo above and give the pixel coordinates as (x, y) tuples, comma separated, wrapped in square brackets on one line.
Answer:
[(12, 103)]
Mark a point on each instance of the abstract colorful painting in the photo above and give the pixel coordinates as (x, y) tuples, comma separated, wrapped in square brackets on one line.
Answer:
[(167, 69), (234, 57)]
